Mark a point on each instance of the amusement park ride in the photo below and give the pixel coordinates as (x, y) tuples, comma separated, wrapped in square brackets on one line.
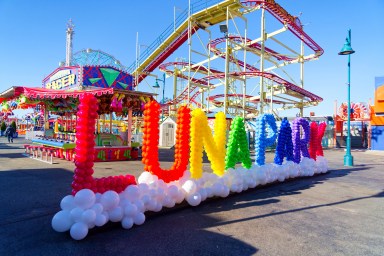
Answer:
[(255, 77), (257, 62), (234, 87)]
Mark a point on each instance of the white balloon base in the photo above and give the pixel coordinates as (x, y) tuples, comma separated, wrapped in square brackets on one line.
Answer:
[(87, 209)]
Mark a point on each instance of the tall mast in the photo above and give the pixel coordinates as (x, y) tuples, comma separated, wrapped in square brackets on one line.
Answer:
[(68, 49)]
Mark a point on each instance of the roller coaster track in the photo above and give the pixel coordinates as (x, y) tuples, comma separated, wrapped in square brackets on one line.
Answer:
[(293, 23), (194, 82), (204, 16), (170, 40)]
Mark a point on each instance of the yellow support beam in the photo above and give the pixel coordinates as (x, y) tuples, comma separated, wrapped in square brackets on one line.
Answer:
[(207, 17)]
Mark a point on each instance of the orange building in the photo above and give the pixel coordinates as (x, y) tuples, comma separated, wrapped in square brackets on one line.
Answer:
[(377, 116)]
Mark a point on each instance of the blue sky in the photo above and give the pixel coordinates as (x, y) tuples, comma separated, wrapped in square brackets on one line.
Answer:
[(32, 40)]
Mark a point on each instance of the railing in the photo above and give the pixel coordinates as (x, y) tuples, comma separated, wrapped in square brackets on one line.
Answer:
[(180, 19)]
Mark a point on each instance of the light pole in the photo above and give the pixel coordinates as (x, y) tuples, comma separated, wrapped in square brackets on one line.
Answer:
[(347, 50), (158, 86), (224, 29)]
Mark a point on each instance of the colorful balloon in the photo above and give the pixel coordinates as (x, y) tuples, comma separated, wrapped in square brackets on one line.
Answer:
[(284, 146), (201, 138), (237, 146), (150, 157)]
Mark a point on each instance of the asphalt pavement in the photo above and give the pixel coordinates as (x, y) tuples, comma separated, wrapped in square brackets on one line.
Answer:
[(338, 213)]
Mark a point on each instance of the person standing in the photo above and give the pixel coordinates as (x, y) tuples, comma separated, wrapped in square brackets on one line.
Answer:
[(9, 133)]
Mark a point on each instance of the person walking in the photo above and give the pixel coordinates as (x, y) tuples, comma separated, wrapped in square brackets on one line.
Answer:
[(9, 133)]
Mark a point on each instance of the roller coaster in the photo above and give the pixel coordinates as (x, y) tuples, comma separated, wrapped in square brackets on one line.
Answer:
[(238, 52)]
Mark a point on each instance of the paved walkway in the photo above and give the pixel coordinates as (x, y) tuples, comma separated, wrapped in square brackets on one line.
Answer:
[(338, 213)]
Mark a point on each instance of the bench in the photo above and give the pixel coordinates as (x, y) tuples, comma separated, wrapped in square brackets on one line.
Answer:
[(47, 152), (28, 149)]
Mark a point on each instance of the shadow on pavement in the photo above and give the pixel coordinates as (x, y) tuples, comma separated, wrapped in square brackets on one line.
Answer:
[(33, 196)]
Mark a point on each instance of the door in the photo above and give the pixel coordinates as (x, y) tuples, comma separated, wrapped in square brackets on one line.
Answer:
[(168, 135)]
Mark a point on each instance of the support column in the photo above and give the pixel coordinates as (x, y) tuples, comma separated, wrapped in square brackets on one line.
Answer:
[(244, 68), (110, 123), (302, 73), (129, 130), (104, 124), (46, 118), (226, 83), (261, 110), (189, 50)]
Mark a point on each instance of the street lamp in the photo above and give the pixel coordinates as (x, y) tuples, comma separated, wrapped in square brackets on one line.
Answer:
[(347, 50), (158, 86)]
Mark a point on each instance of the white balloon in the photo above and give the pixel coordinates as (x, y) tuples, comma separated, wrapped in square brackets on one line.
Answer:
[(67, 203), (140, 205), (79, 231), (88, 216), (173, 191), (151, 206), (168, 202), (194, 199), (216, 188), (146, 200), (180, 197), (153, 193), (189, 187), (85, 198), (100, 220), (252, 183), (116, 214), (158, 207), (225, 192), (76, 214), (143, 188), (91, 225), (161, 184), (98, 208), (234, 188), (203, 194), (209, 192), (124, 202), (62, 222), (132, 192), (109, 200), (139, 218), (127, 222), (160, 194), (146, 177), (130, 210)]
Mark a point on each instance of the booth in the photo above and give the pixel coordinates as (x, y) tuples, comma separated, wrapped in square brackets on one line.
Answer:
[(60, 96)]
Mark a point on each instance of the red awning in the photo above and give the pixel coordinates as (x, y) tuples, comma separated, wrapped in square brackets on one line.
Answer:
[(42, 93)]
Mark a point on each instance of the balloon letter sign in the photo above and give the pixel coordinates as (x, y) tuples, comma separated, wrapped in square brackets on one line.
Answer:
[(201, 135), (300, 146), (284, 146), (85, 143), (237, 147), (118, 199), (151, 140), (262, 141)]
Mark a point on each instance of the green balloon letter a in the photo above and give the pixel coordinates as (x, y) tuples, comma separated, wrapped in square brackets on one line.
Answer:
[(237, 147)]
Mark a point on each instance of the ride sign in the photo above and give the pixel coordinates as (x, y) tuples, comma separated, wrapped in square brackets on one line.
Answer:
[(62, 79)]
